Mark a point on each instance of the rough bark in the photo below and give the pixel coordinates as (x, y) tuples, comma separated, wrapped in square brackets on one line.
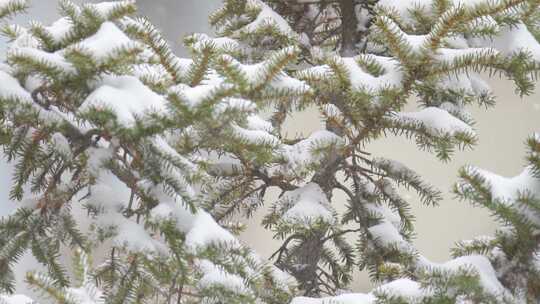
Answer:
[(349, 27)]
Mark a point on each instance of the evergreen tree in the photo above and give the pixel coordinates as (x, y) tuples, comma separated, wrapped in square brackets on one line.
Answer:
[(365, 60), (99, 115), (159, 152)]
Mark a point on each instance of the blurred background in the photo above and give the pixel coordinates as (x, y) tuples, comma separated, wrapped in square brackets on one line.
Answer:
[(502, 132)]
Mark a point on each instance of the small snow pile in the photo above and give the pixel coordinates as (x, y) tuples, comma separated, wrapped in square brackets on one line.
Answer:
[(215, 276), (303, 153), (436, 121), (106, 8), (234, 104), (194, 96), (507, 189), (55, 61), (126, 96), (255, 137), (512, 40), (255, 122), (361, 79), (12, 89), (417, 42), (200, 228), (62, 144), (411, 291), (16, 299), (402, 287), (60, 29), (447, 56), (470, 83), (387, 234), (481, 265), (107, 40), (308, 206), (111, 197), (221, 43), (255, 74), (87, 293), (206, 231), (509, 39), (266, 17)]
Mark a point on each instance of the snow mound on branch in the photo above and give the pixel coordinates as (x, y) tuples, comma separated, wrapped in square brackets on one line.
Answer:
[(132, 235), (61, 144), (417, 42), (255, 74), (447, 56), (127, 96), (194, 96), (402, 287), (301, 154), (508, 191), (412, 290), (488, 277), (221, 163), (363, 80), (255, 122), (508, 188), (107, 7), (512, 40), (436, 121), (215, 276), (315, 72), (469, 83), (222, 43), (509, 39), (54, 60), (267, 16), (60, 29), (234, 104), (206, 231), (387, 234), (309, 205), (200, 228), (12, 89), (15, 299), (111, 196), (108, 39), (256, 137)]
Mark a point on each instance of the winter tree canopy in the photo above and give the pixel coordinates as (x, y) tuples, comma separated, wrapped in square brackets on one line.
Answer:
[(161, 154)]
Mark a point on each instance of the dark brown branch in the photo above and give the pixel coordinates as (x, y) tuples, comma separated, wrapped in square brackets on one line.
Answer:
[(349, 25)]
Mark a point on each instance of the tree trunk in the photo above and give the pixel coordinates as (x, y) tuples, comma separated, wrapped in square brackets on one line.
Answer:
[(349, 27)]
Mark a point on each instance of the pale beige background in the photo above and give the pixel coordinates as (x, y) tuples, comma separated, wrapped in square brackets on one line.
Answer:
[(502, 132)]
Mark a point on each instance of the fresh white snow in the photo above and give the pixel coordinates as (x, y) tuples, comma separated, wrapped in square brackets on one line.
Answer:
[(267, 16), (127, 96), (309, 204), (437, 121), (16, 299), (105, 42)]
